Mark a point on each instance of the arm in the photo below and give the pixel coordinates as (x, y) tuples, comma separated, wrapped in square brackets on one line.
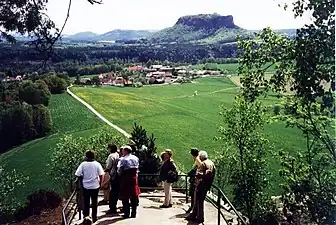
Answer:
[(108, 164), (100, 173), (79, 171)]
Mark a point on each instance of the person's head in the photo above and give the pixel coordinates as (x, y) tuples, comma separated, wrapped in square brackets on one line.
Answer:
[(89, 155), (194, 152), (203, 155), (125, 150), (112, 148), (168, 154)]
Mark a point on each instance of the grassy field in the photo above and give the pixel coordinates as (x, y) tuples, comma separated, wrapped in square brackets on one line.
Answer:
[(232, 68), (31, 159), (179, 120)]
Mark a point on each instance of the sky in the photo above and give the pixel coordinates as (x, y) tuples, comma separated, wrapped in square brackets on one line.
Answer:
[(159, 14)]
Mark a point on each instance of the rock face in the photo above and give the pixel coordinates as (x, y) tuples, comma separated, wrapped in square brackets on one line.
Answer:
[(207, 21)]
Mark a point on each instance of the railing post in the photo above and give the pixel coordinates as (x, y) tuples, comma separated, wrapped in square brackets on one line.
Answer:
[(186, 188), (218, 207)]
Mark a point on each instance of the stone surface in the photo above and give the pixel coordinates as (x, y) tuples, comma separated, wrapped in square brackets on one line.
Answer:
[(150, 213)]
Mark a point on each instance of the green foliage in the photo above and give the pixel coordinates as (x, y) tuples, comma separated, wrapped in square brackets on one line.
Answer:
[(146, 151), (34, 93), (139, 136), (56, 84), (42, 120), (241, 130), (70, 152), (9, 182), (69, 117), (306, 67)]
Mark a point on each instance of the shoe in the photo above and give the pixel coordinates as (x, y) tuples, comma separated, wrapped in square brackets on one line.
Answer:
[(133, 215), (189, 210), (191, 218), (164, 206), (170, 205), (199, 221), (125, 216)]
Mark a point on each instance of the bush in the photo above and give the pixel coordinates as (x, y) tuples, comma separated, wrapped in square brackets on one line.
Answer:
[(9, 182), (69, 153), (277, 110)]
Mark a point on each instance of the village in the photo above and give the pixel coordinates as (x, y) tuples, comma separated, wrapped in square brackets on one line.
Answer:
[(156, 74)]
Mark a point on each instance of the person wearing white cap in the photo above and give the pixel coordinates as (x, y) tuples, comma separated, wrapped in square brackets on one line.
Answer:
[(129, 189)]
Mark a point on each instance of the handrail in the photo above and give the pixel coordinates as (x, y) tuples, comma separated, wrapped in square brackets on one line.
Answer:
[(217, 202), (219, 205), (64, 217)]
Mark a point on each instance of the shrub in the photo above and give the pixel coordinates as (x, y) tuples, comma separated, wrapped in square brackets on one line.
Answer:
[(69, 153), (276, 110), (146, 151), (42, 120), (9, 182), (34, 93)]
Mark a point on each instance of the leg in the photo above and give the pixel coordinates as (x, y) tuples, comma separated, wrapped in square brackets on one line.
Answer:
[(86, 196), (126, 207), (170, 190), (134, 205), (200, 207), (114, 195), (167, 191), (94, 199), (193, 214), (191, 193)]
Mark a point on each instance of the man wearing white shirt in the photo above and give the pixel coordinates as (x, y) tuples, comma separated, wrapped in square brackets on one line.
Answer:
[(91, 173)]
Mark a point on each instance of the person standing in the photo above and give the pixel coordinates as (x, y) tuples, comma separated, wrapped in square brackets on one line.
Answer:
[(205, 175), (169, 175), (111, 167), (129, 189), (91, 173), (191, 174)]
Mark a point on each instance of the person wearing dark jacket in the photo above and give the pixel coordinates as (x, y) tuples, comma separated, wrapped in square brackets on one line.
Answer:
[(191, 174), (168, 174)]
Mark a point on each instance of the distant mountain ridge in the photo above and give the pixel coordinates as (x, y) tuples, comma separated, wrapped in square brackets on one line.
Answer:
[(113, 35)]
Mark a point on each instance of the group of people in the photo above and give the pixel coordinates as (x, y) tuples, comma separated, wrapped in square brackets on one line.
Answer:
[(122, 169)]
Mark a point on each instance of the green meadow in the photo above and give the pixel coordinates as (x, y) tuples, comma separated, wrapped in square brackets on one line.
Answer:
[(32, 158), (180, 120)]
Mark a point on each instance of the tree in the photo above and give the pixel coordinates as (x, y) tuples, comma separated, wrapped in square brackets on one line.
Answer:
[(241, 130), (34, 93), (304, 67), (42, 120), (55, 84)]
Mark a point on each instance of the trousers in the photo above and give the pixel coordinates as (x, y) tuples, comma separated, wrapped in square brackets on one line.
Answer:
[(114, 194), (167, 187), (93, 195), (133, 203)]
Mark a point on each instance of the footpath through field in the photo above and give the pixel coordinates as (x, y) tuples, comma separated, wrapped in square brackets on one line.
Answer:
[(149, 212)]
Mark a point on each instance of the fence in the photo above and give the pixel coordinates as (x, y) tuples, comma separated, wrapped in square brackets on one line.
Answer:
[(215, 196)]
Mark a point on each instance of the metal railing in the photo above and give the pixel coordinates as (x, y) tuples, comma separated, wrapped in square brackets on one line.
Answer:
[(219, 200), (180, 186), (215, 196), (69, 210)]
